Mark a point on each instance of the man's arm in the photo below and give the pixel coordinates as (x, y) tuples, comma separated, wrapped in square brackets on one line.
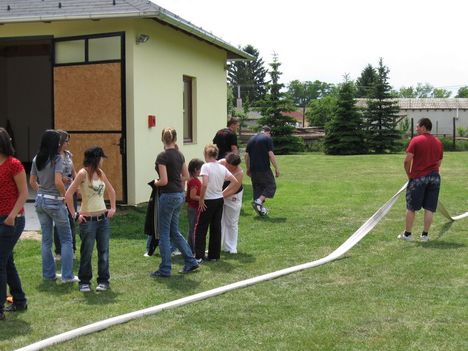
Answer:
[(408, 162), (247, 163), (272, 157)]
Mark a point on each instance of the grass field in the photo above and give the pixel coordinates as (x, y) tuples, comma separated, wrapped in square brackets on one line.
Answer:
[(382, 295)]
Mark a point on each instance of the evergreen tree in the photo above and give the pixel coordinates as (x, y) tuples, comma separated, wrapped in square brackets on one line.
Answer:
[(382, 114), (365, 82), (272, 108), (344, 134), (249, 76)]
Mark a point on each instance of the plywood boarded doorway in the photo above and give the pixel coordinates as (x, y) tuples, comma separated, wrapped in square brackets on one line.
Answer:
[(88, 103)]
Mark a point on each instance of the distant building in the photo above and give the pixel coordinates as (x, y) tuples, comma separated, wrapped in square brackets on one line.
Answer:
[(440, 111)]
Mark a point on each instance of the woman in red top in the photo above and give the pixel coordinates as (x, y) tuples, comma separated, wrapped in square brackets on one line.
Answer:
[(13, 195)]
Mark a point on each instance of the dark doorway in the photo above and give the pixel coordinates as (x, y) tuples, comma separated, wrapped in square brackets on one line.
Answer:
[(26, 92)]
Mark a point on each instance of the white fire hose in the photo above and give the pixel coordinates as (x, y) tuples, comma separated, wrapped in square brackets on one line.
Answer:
[(340, 251)]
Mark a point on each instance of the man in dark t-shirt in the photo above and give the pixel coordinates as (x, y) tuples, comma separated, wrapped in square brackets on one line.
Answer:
[(258, 155), (226, 138)]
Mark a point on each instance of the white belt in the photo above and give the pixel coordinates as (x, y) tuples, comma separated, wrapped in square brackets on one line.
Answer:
[(52, 197)]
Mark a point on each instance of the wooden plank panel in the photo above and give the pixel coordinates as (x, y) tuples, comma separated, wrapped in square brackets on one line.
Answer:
[(88, 97), (112, 166)]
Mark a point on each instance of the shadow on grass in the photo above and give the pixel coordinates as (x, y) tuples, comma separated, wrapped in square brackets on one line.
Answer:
[(271, 219), (442, 245), (240, 257), (100, 298), (179, 282), (445, 228), (56, 287), (14, 326)]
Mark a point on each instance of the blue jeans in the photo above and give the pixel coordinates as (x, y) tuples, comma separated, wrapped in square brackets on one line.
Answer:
[(169, 211), (94, 232), (8, 274), (50, 211)]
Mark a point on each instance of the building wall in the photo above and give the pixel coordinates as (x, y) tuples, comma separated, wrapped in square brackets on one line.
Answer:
[(154, 73), (442, 120)]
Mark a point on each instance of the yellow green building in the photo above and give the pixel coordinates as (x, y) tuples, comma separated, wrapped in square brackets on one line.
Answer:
[(112, 73)]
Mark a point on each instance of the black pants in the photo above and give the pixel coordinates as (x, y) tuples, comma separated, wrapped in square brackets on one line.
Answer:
[(210, 217)]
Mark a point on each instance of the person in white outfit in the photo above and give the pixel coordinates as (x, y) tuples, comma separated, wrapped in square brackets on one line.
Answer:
[(232, 205)]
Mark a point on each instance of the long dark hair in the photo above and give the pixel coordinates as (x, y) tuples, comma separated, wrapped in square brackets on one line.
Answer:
[(48, 149), (6, 147), (92, 156)]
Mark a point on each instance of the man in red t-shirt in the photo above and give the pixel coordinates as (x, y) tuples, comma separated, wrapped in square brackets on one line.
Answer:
[(423, 158)]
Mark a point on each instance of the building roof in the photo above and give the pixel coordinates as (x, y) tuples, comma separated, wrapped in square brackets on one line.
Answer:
[(22, 11), (426, 103)]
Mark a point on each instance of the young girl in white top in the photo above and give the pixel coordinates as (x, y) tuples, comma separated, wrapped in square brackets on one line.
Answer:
[(211, 204), (93, 218)]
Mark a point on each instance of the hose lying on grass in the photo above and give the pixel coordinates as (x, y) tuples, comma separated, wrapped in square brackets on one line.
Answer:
[(341, 250)]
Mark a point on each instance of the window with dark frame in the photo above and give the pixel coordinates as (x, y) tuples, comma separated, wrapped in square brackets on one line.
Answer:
[(188, 109)]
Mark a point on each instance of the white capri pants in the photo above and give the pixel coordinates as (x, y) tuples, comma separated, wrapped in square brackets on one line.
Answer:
[(230, 222)]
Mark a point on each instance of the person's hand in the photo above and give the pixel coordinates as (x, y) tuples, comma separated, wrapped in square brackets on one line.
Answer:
[(81, 219), (66, 180), (111, 213), (248, 172), (277, 173), (9, 221), (201, 205)]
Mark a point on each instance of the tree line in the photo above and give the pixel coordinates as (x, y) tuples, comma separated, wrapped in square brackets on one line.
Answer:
[(348, 129)]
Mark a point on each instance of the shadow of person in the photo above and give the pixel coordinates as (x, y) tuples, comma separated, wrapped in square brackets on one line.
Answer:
[(179, 282), (442, 245), (13, 326), (100, 298)]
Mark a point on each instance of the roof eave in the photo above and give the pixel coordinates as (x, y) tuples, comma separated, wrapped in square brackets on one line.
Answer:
[(234, 54)]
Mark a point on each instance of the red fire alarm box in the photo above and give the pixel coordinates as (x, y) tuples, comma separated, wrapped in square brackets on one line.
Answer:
[(151, 121)]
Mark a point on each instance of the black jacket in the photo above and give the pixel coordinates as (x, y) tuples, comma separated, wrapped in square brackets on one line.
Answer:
[(151, 220)]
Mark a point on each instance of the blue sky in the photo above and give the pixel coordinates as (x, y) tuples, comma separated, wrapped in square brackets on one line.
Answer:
[(420, 41)]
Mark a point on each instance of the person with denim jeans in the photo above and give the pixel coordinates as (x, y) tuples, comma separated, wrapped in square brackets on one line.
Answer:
[(173, 172), (47, 180), (13, 195), (93, 218)]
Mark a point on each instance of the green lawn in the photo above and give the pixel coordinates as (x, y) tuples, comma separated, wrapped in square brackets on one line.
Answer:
[(382, 295)]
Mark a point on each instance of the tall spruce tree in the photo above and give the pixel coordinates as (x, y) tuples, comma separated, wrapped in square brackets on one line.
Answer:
[(382, 115), (272, 108), (249, 76), (344, 133), (366, 81)]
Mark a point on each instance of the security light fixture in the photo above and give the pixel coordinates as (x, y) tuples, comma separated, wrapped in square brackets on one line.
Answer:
[(142, 38)]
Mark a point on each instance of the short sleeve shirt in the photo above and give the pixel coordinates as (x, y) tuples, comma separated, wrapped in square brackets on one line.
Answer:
[(427, 151), (224, 140), (46, 176), (217, 174), (9, 191), (258, 148), (193, 183), (173, 160)]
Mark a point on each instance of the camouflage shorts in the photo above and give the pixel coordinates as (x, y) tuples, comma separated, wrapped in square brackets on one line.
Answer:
[(423, 192)]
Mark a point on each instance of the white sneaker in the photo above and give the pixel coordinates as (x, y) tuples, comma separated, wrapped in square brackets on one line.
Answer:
[(85, 288), (402, 236), (102, 287), (424, 238), (146, 254), (75, 279), (57, 258)]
